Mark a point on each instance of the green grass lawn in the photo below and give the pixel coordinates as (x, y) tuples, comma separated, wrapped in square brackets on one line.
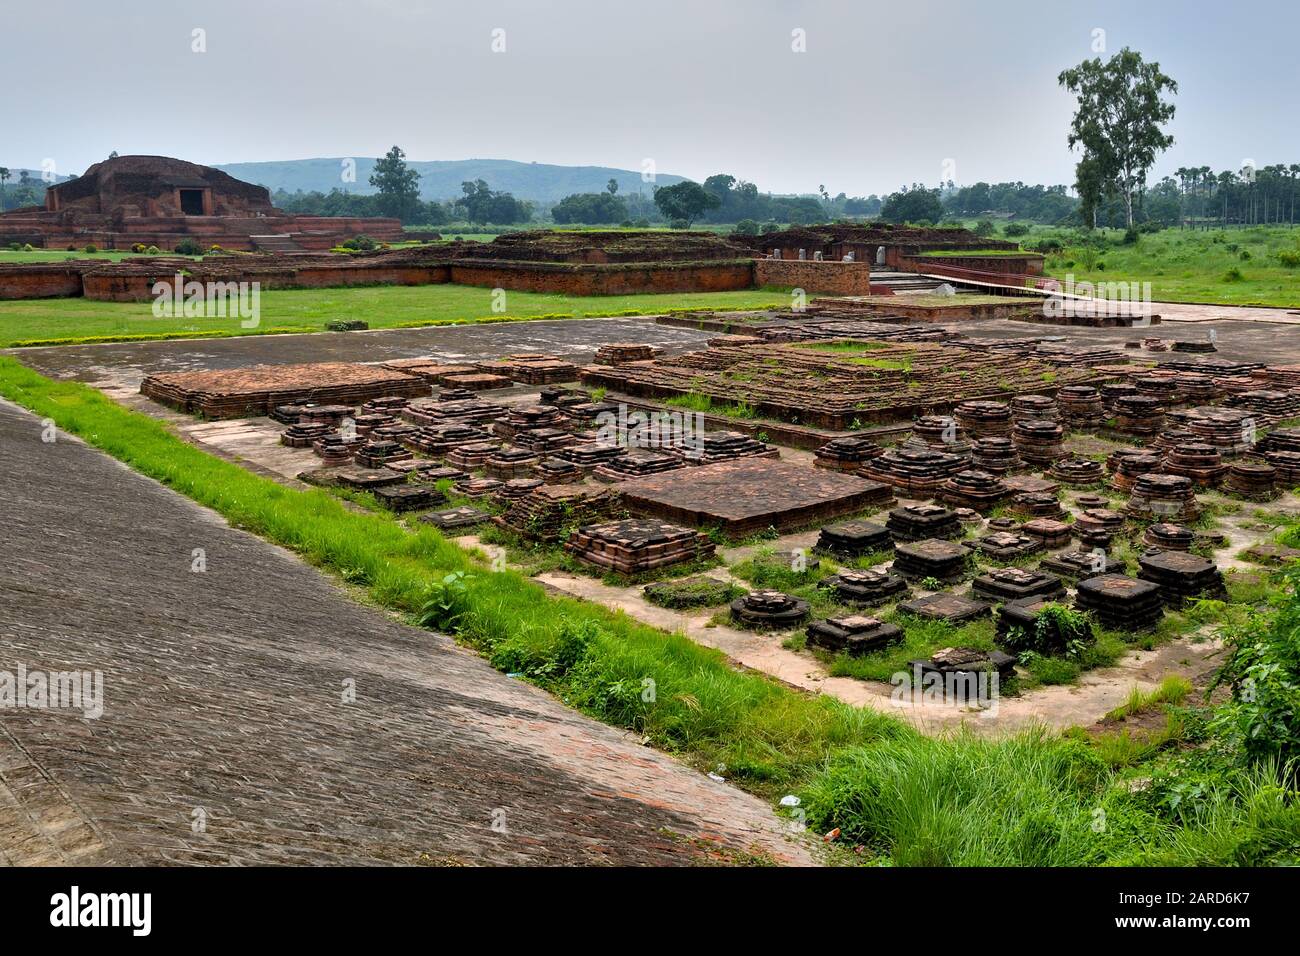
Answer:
[(1235, 266), (8, 256), (32, 321)]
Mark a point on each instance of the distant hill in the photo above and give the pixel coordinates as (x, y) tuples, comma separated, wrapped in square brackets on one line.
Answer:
[(33, 176), (441, 179)]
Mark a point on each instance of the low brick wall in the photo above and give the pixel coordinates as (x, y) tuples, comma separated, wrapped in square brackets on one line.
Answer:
[(996, 267), (605, 279), (823, 278), (38, 281), (317, 277), (134, 282), (118, 288)]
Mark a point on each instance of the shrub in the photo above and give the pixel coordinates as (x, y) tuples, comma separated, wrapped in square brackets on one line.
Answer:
[(1056, 630), (1290, 258), (361, 243), (1233, 275), (90, 247), (188, 247), (1014, 229), (747, 227), (984, 227), (445, 603), (1263, 669), (679, 224)]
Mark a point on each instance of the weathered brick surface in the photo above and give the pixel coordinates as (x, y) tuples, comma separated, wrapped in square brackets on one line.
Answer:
[(824, 277), (224, 692)]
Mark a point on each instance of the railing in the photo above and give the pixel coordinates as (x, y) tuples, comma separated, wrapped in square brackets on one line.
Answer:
[(993, 277)]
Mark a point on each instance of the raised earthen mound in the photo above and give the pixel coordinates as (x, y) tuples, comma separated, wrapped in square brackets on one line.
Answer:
[(609, 246), (876, 234)]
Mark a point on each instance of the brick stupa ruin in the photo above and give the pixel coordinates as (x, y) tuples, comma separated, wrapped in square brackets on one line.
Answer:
[(158, 201)]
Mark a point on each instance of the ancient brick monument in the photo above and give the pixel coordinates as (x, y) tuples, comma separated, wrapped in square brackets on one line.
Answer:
[(158, 201)]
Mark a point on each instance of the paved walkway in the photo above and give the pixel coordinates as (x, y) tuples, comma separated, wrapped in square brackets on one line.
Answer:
[(225, 736)]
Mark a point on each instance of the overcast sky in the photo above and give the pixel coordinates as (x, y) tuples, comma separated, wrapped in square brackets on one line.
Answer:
[(883, 95)]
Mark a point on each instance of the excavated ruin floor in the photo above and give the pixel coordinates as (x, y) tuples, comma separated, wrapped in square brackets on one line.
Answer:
[(255, 444), (121, 366), (117, 369)]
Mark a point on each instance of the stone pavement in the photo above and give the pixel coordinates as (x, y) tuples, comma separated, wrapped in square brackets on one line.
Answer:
[(226, 737)]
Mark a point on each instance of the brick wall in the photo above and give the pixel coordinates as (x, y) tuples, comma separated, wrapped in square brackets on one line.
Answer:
[(605, 280), (824, 278), (133, 283), (1030, 264), (39, 282)]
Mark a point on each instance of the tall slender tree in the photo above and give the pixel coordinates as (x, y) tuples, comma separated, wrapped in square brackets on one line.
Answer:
[(398, 184), (1118, 119)]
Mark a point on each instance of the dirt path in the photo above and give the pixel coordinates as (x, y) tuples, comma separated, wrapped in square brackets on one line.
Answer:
[(228, 733), (1096, 693)]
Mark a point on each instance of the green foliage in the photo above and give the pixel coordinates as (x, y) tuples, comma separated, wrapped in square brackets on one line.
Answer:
[(480, 203), (1118, 124), (693, 592), (398, 184), (589, 208), (446, 603), (916, 204), (188, 247), (1262, 718), (361, 243), (685, 201), (1057, 630), (1021, 801)]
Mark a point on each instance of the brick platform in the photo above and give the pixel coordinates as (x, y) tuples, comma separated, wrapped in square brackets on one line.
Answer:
[(751, 495)]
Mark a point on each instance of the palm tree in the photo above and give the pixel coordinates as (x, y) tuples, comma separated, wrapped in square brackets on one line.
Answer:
[(4, 178), (1226, 179), (1295, 174)]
